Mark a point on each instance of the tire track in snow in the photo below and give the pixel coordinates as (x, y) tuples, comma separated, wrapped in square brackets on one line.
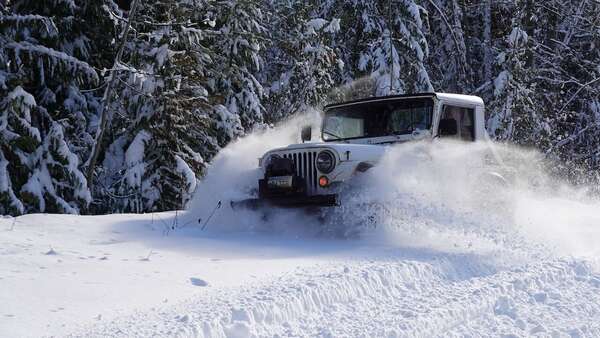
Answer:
[(439, 310), (411, 298)]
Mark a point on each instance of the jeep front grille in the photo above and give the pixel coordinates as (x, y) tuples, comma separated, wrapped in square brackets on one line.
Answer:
[(304, 162)]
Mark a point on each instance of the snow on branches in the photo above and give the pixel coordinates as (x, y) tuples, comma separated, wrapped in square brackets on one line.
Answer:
[(195, 75)]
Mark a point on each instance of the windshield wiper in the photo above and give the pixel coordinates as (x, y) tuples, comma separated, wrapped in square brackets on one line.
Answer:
[(402, 132), (332, 134)]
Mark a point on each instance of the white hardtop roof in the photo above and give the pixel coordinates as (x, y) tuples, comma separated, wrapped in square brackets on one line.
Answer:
[(469, 99), (447, 97)]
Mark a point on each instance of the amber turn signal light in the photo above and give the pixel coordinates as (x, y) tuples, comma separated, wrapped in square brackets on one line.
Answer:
[(323, 181)]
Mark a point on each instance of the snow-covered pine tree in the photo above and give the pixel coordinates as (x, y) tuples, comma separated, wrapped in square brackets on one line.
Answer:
[(303, 66), (161, 142), (238, 37), (567, 55), (43, 66), (38, 171), (514, 115), (379, 38), (447, 63), (198, 74)]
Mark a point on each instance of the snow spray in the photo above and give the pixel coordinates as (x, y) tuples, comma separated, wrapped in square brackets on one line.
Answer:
[(440, 195)]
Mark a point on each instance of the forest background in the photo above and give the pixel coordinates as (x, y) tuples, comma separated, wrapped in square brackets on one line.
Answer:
[(186, 77)]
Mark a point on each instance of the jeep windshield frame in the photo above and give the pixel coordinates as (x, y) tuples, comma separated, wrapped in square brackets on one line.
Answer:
[(377, 117)]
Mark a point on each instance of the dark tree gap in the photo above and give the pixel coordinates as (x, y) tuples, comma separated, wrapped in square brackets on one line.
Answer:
[(124, 4)]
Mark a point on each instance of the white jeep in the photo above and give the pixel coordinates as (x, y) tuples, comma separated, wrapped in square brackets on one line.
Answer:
[(354, 136)]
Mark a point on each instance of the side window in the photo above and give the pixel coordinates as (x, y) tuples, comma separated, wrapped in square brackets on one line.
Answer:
[(458, 122)]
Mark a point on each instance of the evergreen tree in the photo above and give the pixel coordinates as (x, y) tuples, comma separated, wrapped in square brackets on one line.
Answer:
[(447, 62), (160, 143), (304, 67), (514, 116), (380, 38), (39, 173), (43, 66), (239, 36), (197, 74)]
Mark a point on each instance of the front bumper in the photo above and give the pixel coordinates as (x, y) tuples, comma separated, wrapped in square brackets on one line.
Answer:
[(290, 201), (292, 196)]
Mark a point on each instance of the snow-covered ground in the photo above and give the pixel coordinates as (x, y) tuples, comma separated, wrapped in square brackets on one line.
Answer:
[(122, 276), (60, 274), (422, 247)]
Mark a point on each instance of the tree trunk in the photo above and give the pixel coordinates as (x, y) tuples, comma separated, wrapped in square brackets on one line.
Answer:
[(107, 100), (487, 41)]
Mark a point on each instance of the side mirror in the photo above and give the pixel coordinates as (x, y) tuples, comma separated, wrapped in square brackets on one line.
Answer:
[(306, 134), (448, 127)]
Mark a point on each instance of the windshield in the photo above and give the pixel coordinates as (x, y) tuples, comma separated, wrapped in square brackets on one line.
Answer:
[(377, 118)]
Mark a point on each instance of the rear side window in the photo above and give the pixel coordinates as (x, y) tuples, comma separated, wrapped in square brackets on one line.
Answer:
[(465, 121)]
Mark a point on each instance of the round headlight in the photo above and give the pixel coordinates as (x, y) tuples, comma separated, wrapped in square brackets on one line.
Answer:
[(325, 162)]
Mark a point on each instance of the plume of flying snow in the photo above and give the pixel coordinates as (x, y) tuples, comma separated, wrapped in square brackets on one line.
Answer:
[(437, 195), (233, 176), (463, 196)]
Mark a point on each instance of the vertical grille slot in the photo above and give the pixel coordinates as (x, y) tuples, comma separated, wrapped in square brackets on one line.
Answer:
[(304, 171), (308, 172), (315, 178), (311, 176), (300, 163), (295, 158)]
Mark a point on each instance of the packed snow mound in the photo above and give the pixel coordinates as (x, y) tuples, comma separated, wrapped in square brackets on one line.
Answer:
[(443, 194)]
